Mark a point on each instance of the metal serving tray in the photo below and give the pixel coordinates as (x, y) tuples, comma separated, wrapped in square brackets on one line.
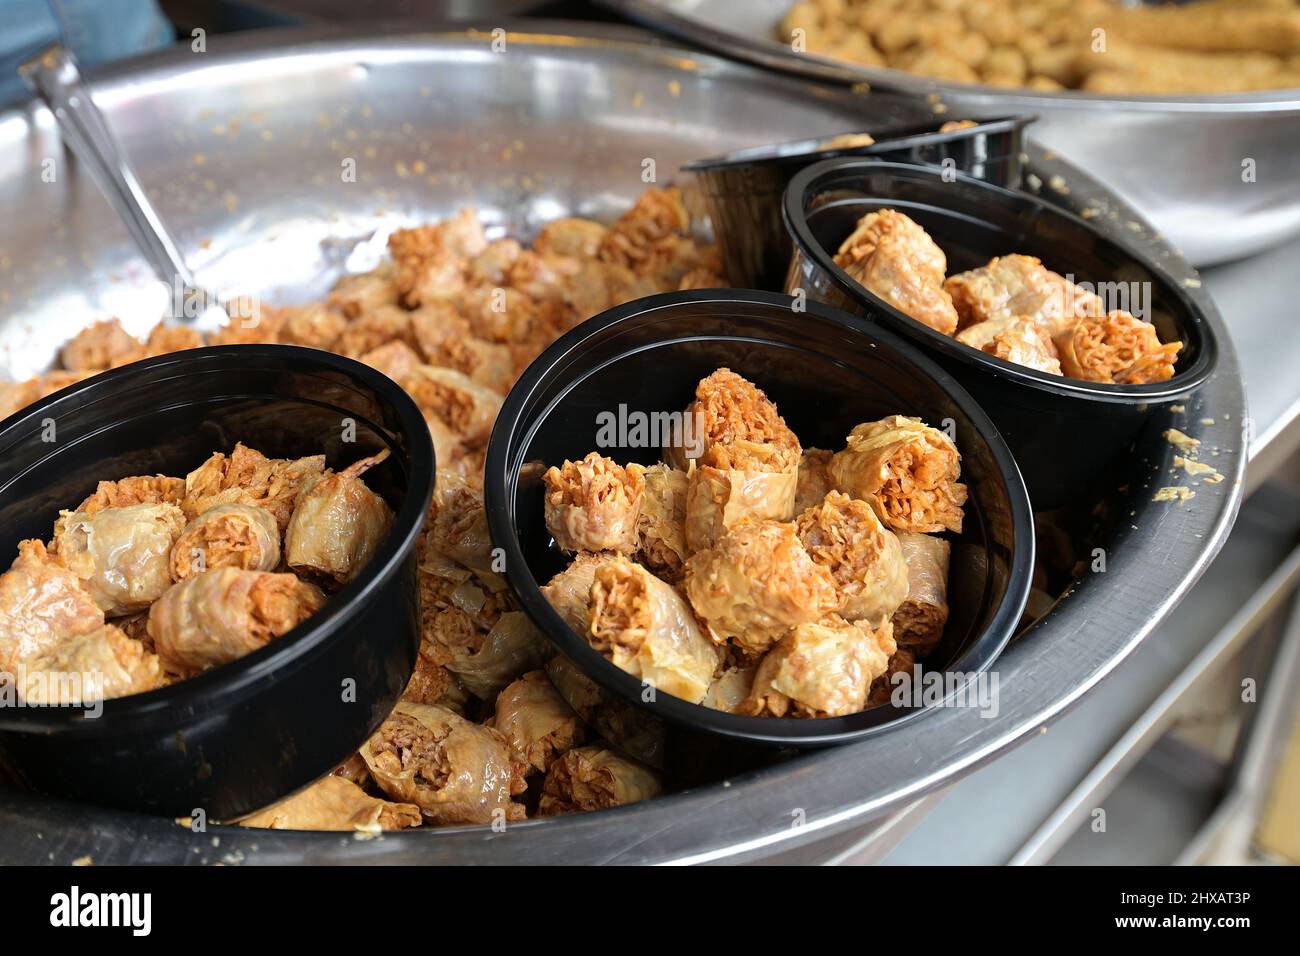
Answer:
[(242, 148), (1177, 159)]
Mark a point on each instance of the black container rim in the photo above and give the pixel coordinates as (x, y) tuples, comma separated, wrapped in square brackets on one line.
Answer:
[(253, 673), (500, 486), (807, 149), (806, 183)]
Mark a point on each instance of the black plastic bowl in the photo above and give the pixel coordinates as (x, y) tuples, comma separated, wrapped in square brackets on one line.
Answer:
[(1065, 433), (743, 190), (243, 735), (826, 375)]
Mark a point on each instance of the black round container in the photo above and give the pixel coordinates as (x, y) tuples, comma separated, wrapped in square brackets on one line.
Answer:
[(826, 375), (245, 734), (743, 190), (1065, 433)]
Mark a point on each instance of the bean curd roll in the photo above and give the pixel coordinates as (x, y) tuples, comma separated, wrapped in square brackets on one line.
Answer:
[(594, 504), (893, 257), (122, 555), (41, 603), (338, 523), (737, 482), (908, 472), (247, 477), (459, 527), (843, 535), (488, 663), (1016, 339), (595, 778), (823, 669), (646, 628), (455, 771), (729, 409), (137, 490), (757, 583), (1117, 348), (96, 665), (221, 615), (536, 721), (919, 620), (814, 481), (661, 527), (569, 592), (730, 689), (1019, 286), (630, 728), (227, 536), (466, 407), (333, 803)]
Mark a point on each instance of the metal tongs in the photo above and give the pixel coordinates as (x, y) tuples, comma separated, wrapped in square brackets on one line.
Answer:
[(54, 77)]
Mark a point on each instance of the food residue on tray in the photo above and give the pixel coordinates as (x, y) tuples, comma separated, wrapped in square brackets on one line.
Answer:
[(1178, 493)]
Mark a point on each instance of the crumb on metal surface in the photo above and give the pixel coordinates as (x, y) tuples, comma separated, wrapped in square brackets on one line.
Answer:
[(1178, 493)]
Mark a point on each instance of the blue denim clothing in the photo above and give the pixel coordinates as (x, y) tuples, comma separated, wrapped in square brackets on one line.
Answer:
[(96, 31)]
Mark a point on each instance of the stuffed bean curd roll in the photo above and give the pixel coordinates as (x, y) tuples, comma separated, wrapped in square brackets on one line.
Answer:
[(919, 620), (463, 405), (821, 670), (122, 555), (893, 257), (729, 408), (536, 721), (814, 480), (1116, 348), (661, 527), (738, 482), (633, 730), (227, 536), (333, 803), (882, 690), (221, 615), (730, 689), (459, 527), (338, 523), (645, 627), (1016, 339), (594, 504), (41, 603), (1020, 286), (595, 778), (843, 535), (757, 583), (247, 477), (906, 470), (137, 490), (455, 771), (97, 665), (512, 647)]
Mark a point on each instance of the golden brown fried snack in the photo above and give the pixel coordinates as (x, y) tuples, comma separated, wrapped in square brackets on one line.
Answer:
[(78, 669), (99, 346), (730, 689), (395, 359), (814, 481), (883, 688), (316, 326), (873, 228), (919, 621), (821, 670), (661, 527), (122, 555), (594, 504), (1019, 286), (569, 592), (490, 661), (536, 721), (757, 583), (646, 628), (333, 803), (221, 615), (459, 527), (729, 409), (165, 339), (356, 295), (572, 236), (595, 778), (466, 407), (895, 271), (1017, 339), (431, 259), (736, 482), (453, 770), (843, 535), (1117, 348), (247, 477), (446, 341), (227, 536), (906, 470), (338, 523), (140, 490), (41, 603), (372, 330), (637, 238), (638, 733)]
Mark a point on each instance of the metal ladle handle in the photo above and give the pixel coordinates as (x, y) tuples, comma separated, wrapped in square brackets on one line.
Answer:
[(55, 78)]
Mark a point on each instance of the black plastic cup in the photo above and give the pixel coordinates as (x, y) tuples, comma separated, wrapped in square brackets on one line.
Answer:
[(826, 375), (1066, 433), (243, 735), (743, 190)]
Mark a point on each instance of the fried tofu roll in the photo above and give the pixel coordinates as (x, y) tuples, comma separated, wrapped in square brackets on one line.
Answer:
[(446, 341), (227, 536), (221, 615), (730, 689), (1117, 348), (1016, 285), (821, 670), (489, 662), (843, 535), (630, 728), (661, 527), (247, 477), (466, 407), (338, 523), (455, 771), (892, 256), (98, 665), (595, 778), (459, 527), (122, 555), (333, 803), (919, 620), (1017, 340), (728, 409), (538, 724), (138, 490), (41, 603), (737, 482), (569, 592), (757, 583), (906, 470), (882, 690), (647, 629), (814, 481), (594, 504)]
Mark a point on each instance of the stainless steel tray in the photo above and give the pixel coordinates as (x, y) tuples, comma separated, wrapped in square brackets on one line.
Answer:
[(242, 146), (1155, 151)]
